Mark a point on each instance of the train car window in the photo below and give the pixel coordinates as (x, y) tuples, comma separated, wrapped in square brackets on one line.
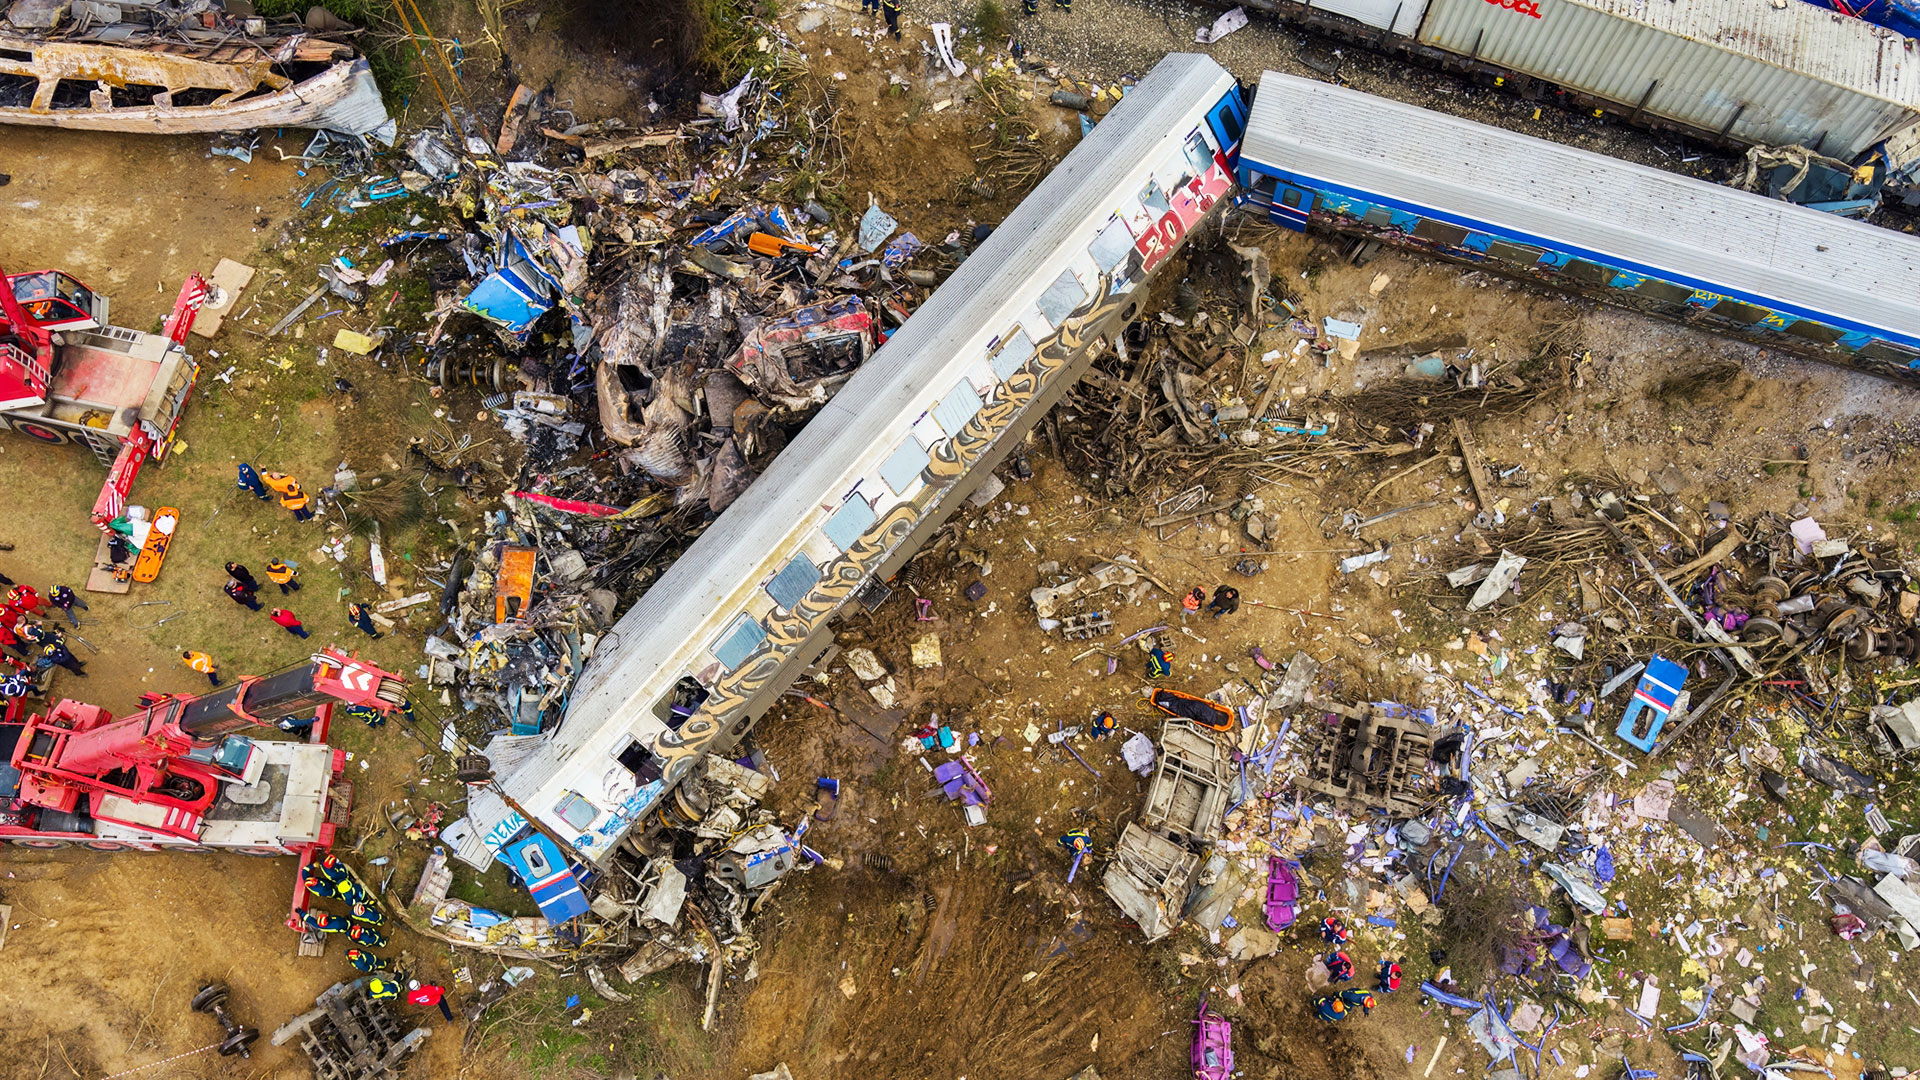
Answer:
[(1012, 355), (1155, 199), (1110, 248), (1291, 197), (640, 761), (1378, 216), (849, 523), (1735, 311), (741, 640), (1590, 273), (1818, 333), (575, 810), (1199, 153), (902, 468), (1440, 232), (1264, 184), (1887, 350), (794, 581), (1665, 291), (953, 411), (1517, 254), (681, 701), (1062, 297)]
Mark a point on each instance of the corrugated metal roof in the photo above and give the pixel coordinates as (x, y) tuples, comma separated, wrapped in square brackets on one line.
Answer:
[(713, 581), (1691, 228), (1812, 40), (1796, 74)]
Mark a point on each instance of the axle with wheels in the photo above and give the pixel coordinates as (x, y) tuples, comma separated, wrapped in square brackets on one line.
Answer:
[(212, 998)]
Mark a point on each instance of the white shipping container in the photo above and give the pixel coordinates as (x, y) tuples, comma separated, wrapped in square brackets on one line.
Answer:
[(1797, 74), (1400, 16)]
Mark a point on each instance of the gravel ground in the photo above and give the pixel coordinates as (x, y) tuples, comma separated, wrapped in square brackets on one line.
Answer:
[(1101, 41)]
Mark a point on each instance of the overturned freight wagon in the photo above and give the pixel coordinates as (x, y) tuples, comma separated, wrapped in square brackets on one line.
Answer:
[(711, 645), (1746, 71)]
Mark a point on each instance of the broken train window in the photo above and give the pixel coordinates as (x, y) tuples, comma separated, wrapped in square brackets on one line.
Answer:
[(640, 761), (853, 518), (1110, 248), (679, 703)]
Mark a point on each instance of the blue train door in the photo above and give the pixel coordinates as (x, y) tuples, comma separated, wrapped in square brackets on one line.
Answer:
[(1290, 206), (1228, 121)]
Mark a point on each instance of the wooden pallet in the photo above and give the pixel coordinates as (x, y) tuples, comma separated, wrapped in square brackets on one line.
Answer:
[(100, 579)]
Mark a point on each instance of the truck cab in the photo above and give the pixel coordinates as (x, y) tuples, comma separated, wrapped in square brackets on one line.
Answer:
[(56, 300)]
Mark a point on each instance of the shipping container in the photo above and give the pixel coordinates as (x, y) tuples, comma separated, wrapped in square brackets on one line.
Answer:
[(1742, 69)]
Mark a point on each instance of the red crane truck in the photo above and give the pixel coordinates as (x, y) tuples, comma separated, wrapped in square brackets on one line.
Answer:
[(181, 774), (69, 376)]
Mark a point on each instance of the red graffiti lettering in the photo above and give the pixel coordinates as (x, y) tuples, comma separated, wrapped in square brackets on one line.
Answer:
[(1189, 203), (1520, 7)]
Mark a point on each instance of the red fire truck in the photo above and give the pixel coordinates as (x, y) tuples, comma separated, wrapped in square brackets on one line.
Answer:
[(182, 774), (67, 375)]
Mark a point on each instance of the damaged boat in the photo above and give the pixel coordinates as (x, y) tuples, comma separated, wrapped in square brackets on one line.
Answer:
[(177, 67)]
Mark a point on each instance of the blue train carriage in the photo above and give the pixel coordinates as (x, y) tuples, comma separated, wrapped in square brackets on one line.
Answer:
[(1707, 255)]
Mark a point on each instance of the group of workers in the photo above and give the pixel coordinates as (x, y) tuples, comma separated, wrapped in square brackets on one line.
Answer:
[(1335, 1005), (36, 646), (329, 878), (267, 485)]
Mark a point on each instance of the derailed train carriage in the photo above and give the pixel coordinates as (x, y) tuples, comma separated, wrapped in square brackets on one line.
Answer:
[(1725, 260), (690, 668)]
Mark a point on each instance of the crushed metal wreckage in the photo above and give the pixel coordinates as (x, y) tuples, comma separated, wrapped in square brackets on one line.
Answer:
[(347, 1036), (180, 66)]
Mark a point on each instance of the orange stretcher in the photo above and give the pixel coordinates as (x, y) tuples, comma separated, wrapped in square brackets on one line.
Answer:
[(513, 588), (159, 538)]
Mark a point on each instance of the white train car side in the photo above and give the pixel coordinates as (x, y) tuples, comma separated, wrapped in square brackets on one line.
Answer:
[(689, 669)]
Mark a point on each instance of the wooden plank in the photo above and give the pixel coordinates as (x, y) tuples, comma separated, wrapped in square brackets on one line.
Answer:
[(1476, 466), (100, 579)]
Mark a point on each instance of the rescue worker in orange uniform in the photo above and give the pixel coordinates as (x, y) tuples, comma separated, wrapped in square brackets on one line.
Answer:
[(284, 576), (201, 663)]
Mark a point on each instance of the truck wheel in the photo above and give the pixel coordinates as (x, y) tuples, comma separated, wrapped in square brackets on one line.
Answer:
[(209, 998), (102, 845), (52, 436), (44, 845)]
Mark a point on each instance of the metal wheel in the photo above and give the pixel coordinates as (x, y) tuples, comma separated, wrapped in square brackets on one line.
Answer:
[(103, 845), (238, 1042), (1760, 630), (44, 845), (209, 998)]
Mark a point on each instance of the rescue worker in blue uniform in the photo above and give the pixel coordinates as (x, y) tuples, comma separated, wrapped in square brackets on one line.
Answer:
[(383, 987), (362, 934), (1356, 998), (366, 914), (1333, 931), (1330, 1008), (362, 960), (1159, 664), (891, 9), (1103, 724)]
